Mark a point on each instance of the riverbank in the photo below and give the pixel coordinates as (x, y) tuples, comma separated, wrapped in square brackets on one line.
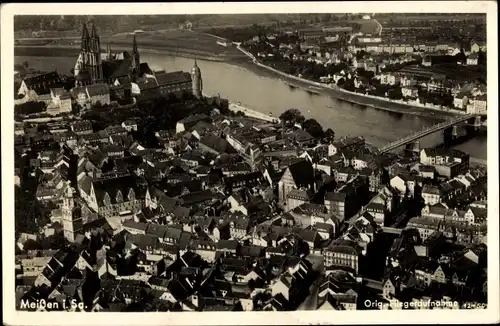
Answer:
[(252, 113), (74, 50), (352, 97), (253, 65)]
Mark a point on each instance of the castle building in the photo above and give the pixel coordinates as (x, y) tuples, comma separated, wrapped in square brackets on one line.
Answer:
[(71, 216), (197, 81)]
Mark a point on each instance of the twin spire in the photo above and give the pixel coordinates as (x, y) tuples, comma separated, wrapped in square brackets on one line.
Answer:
[(87, 39)]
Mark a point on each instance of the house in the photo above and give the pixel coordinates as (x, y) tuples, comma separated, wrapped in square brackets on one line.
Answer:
[(342, 253), (129, 125), (61, 100), (439, 157), (405, 184), (325, 230), (472, 59), (461, 100), (309, 236), (336, 204), (436, 211), (478, 104), (115, 196), (431, 195), (205, 248), (377, 211), (425, 226), (40, 84), (293, 282), (189, 122), (477, 46), (426, 171), (98, 94), (411, 92), (298, 175), (337, 291), (389, 79), (297, 197)]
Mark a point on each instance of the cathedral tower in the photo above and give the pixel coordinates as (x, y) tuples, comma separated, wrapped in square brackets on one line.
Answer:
[(197, 81), (71, 216), (88, 67), (136, 60)]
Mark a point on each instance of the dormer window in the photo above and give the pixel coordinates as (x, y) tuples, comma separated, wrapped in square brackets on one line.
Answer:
[(107, 199), (131, 194), (119, 197)]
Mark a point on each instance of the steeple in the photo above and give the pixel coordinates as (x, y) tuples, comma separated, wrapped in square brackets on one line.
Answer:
[(135, 54), (94, 32), (136, 57), (85, 38), (95, 42), (109, 52)]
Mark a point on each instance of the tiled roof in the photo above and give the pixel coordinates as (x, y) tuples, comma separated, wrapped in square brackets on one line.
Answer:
[(170, 78), (98, 89)]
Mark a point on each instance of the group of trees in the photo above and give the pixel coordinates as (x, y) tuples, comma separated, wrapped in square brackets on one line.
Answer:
[(30, 214), (313, 127)]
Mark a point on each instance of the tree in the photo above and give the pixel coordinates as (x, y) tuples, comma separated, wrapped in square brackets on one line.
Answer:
[(31, 245), (329, 135), (75, 108), (314, 128), (293, 116), (26, 64)]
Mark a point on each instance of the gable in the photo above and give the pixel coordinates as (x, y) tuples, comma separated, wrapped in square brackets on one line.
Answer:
[(287, 178)]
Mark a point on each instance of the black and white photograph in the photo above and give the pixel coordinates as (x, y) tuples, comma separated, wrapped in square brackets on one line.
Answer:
[(199, 163)]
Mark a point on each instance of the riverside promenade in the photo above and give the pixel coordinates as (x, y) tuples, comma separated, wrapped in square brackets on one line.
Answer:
[(253, 113)]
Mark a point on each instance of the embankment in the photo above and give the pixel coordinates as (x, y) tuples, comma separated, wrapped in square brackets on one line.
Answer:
[(356, 98), (252, 113), (74, 50)]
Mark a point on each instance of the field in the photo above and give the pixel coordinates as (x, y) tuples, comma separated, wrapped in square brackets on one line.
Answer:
[(64, 26), (183, 39), (174, 40)]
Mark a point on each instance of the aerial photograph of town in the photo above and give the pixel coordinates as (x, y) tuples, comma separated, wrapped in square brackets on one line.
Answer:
[(250, 162)]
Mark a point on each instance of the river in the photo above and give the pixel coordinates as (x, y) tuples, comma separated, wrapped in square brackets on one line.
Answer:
[(258, 90)]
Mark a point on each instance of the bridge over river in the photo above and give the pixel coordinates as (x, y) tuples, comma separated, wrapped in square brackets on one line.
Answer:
[(475, 120)]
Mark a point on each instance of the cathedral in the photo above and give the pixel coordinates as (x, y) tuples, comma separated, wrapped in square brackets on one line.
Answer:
[(94, 67)]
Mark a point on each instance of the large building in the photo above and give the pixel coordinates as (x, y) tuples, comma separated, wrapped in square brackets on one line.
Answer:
[(88, 67), (94, 67)]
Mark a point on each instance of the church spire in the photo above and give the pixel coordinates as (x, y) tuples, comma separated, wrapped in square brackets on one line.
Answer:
[(136, 57), (109, 51), (85, 38), (93, 34)]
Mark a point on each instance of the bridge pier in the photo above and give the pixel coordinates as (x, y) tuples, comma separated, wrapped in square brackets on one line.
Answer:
[(448, 136), (413, 147)]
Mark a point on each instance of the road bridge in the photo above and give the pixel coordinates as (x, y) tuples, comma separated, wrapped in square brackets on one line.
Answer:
[(427, 131)]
